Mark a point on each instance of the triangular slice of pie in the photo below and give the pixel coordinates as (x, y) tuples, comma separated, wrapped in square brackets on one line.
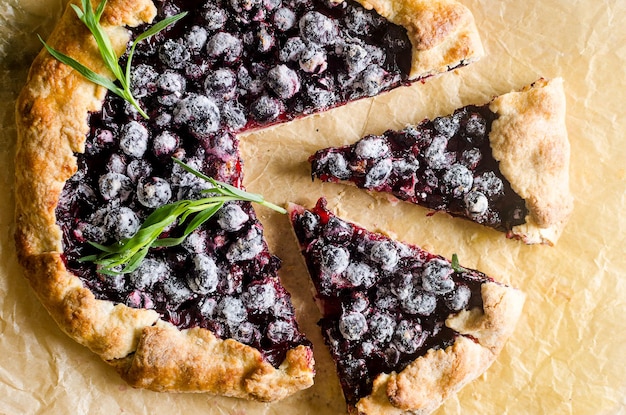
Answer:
[(504, 164), (209, 315), (406, 328)]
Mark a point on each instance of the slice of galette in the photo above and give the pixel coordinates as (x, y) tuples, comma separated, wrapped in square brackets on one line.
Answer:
[(504, 164), (209, 314), (406, 328)]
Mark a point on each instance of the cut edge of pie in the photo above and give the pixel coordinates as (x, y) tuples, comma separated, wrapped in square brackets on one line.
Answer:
[(529, 148), (423, 385), (50, 130)]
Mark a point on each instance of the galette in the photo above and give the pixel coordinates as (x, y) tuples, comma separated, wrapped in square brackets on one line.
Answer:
[(94, 169), (504, 164), (406, 328)]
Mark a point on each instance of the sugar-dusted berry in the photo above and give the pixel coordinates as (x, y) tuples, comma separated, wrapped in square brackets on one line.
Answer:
[(174, 54), (381, 326), (385, 254), (221, 83), (334, 259), (115, 186), (457, 180), (204, 275), (371, 147), (231, 217), (226, 46), (283, 81), (318, 28), (352, 325), (437, 276), (153, 191), (408, 336), (284, 19), (149, 273), (134, 139)]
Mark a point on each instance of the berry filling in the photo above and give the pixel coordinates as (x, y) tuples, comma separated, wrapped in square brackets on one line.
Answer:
[(384, 303), (263, 62), (227, 67), (443, 164)]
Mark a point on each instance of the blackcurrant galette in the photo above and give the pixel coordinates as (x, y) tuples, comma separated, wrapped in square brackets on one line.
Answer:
[(208, 314), (504, 164), (406, 328)]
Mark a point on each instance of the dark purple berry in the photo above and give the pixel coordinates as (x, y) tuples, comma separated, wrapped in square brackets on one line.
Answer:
[(266, 109), (174, 54), (221, 84), (334, 259), (204, 276), (115, 186), (226, 46), (337, 230), (283, 81), (457, 180), (408, 336), (153, 192), (284, 19), (352, 325), (317, 28), (437, 277)]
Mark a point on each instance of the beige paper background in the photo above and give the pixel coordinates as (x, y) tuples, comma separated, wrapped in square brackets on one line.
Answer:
[(567, 355)]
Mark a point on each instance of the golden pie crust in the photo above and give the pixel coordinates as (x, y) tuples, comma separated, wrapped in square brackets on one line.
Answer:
[(52, 125), (442, 32), (529, 139), (422, 386)]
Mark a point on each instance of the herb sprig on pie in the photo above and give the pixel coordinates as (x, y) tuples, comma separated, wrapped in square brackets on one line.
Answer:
[(211, 314)]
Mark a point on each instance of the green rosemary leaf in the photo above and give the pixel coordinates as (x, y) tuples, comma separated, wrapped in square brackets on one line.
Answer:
[(225, 188), (191, 170), (100, 9), (126, 256), (168, 242), (115, 248), (455, 264), (88, 258), (105, 271), (253, 197), (136, 260), (145, 236), (91, 19), (83, 70), (156, 28), (164, 212), (202, 217), (78, 10), (194, 206), (197, 221)]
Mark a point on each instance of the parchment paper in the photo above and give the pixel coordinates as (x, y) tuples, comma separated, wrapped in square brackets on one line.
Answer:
[(567, 354)]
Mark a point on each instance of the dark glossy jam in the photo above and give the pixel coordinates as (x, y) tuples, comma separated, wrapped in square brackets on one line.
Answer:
[(384, 302), (227, 67), (443, 164)]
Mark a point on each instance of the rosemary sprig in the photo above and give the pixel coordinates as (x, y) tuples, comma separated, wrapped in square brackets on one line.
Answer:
[(455, 264), (125, 256), (91, 19)]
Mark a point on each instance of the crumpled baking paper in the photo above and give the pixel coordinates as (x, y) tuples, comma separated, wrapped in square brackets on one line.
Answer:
[(567, 354)]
